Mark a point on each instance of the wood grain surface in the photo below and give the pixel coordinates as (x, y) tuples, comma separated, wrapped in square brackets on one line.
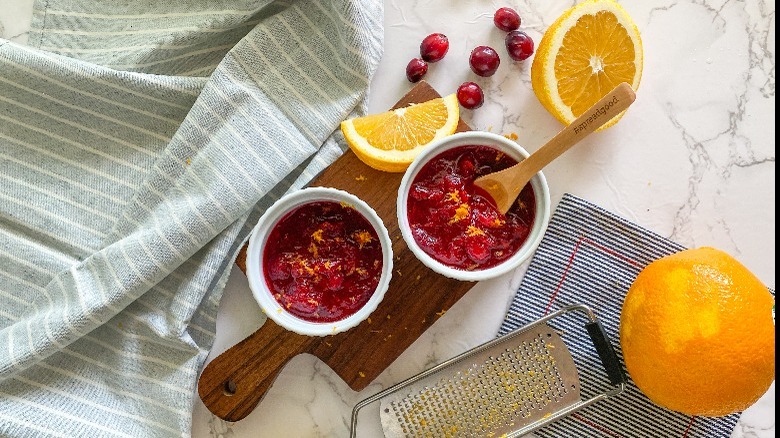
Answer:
[(233, 384)]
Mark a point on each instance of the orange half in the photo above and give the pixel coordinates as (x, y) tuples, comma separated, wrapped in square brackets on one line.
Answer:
[(391, 140), (584, 54)]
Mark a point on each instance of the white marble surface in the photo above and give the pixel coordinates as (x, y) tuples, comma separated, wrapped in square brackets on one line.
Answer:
[(694, 160)]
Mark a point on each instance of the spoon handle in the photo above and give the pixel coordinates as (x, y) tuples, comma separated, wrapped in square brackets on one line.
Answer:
[(505, 185), (614, 102)]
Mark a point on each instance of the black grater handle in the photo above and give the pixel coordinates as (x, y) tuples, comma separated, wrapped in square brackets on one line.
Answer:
[(606, 352)]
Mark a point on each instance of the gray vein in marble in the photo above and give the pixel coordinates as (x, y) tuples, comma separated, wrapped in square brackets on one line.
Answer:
[(754, 162), (700, 160), (717, 13), (756, 59), (404, 21), (432, 357), (622, 205), (759, 52), (539, 16), (743, 430), (337, 387), (219, 428), (658, 9), (478, 17), (702, 163), (725, 226), (16, 37)]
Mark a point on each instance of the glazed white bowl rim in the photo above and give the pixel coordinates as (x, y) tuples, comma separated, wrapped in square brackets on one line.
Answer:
[(256, 276), (541, 194)]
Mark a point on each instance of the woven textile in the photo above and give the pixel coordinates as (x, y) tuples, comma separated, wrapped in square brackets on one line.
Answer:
[(591, 256), (139, 142)]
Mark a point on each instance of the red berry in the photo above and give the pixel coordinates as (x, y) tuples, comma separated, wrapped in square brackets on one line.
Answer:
[(434, 47), (477, 250), (279, 269), (519, 45), (334, 280), (484, 61), (466, 166), (470, 95), (420, 192), (487, 217), (506, 19), (303, 306), (416, 69)]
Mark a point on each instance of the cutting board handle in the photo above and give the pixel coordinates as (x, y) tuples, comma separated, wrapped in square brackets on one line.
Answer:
[(234, 382)]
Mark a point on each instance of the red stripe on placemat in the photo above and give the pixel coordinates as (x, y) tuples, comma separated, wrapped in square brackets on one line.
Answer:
[(688, 429), (554, 295), (594, 425), (563, 276), (569, 264), (611, 252)]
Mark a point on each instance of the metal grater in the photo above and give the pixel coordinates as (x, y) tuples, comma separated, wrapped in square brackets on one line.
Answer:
[(507, 387), (498, 390)]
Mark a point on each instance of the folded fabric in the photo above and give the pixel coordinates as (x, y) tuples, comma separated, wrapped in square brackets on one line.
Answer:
[(126, 194), (591, 256)]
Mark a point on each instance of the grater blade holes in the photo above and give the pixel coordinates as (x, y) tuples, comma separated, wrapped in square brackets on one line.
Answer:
[(493, 392)]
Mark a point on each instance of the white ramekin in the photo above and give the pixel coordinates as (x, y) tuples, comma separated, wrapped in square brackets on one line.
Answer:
[(256, 275), (512, 149)]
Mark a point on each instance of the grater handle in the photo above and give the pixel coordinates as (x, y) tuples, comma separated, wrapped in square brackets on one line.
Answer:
[(607, 353)]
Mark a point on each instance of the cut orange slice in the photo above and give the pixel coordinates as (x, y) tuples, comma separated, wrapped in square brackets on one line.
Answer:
[(584, 54), (391, 140)]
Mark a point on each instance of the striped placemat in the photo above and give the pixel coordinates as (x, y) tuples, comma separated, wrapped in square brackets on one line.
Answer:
[(591, 256)]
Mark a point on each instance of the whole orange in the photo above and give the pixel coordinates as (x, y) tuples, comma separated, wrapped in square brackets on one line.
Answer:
[(698, 334)]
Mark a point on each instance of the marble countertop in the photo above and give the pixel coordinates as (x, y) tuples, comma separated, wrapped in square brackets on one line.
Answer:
[(693, 160)]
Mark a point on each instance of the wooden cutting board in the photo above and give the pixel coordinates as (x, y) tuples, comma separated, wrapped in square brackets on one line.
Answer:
[(233, 384)]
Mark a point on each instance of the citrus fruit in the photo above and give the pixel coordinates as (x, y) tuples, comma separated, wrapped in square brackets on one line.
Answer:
[(585, 53), (697, 333), (391, 140)]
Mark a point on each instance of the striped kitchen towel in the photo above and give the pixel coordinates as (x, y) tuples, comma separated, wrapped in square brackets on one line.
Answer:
[(591, 256), (139, 142)]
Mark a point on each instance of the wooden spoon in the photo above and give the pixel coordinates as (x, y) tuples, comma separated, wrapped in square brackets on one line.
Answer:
[(505, 185)]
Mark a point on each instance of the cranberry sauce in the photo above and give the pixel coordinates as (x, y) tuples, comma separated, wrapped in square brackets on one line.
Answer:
[(323, 261), (457, 223)]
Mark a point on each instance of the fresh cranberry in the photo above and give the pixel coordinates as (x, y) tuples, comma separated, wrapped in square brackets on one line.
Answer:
[(434, 47), (470, 95), (484, 61), (416, 69), (506, 19), (519, 45)]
